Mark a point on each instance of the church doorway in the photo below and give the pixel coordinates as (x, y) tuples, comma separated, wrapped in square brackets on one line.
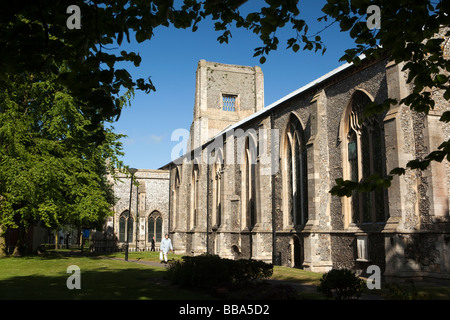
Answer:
[(297, 252)]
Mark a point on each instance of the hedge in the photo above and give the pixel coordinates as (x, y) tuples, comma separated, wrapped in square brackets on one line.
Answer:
[(207, 271)]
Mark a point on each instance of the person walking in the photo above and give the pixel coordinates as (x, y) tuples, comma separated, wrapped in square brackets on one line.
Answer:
[(166, 245), (153, 244)]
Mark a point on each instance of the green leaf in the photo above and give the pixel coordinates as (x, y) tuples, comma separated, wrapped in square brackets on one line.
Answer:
[(447, 94), (441, 79), (141, 36), (445, 117), (398, 171)]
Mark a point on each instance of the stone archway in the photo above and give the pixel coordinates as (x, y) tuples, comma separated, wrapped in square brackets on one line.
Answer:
[(236, 252), (298, 256)]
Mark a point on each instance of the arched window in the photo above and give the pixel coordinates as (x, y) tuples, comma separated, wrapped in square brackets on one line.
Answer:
[(130, 229), (364, 156), (158, 229), (295, 178), (123, 221), (154, 226), (175, 197), (194, 196), (217, 189), (249, 187)]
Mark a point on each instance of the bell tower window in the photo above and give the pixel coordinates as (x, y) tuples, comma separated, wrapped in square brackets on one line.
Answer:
[(229, 102)]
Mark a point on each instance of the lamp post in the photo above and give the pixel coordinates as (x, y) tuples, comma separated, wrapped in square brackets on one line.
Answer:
[(132, 171)]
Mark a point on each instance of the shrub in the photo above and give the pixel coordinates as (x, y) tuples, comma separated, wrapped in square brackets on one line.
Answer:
[(210, 271), (341, 284), (245, 270), (402, 292)]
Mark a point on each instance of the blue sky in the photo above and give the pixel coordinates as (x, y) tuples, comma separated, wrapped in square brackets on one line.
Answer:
[(170, 58)]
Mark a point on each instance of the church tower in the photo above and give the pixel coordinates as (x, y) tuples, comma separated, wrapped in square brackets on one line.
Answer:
[(224, 95)]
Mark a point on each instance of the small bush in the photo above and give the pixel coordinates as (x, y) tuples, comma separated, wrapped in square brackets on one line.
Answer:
[(245, 270), (402, 292), (211, 271), (341, 284), (199, 271)]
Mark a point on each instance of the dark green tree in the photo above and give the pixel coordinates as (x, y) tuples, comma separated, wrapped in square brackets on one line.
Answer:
[(34, 37), (52, 170)]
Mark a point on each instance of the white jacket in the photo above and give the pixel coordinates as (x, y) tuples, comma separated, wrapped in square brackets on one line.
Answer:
[(166, 245)]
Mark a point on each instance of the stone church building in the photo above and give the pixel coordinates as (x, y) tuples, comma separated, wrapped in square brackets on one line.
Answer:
[(149, 209), (255, 182)]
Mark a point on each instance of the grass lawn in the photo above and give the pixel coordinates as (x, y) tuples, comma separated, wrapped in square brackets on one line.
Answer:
[(279, 273), (141, 256), (44, 277), (296, 275)]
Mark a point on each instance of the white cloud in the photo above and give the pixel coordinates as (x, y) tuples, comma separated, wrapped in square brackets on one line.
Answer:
[(128, 141), (154, 139)]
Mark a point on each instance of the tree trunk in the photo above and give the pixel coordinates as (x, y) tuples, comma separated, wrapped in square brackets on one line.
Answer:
[(56, 239), (81, 240), (67, 241), (18, 248), (2, 243)]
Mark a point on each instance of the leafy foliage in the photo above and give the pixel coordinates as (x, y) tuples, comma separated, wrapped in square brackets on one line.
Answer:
[(210, 271), (398, 291), (34, 38), (52, 169), (342, 284)]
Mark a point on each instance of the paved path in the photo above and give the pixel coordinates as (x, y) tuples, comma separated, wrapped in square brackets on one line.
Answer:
[(148, 263)]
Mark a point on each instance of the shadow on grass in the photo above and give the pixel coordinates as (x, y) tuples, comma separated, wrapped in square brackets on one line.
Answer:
[(46, 256), (126, 284), (66, 254), (52, 254), (100, 280)]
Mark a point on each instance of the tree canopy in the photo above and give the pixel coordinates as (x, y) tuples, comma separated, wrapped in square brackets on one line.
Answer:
[(35, 38), (52, 170)]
